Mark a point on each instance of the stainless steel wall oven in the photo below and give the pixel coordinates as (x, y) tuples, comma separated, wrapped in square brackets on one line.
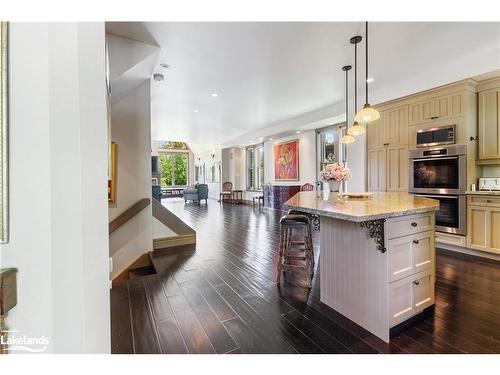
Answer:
[(441, 173)]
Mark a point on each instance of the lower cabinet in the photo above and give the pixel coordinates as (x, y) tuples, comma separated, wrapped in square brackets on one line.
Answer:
[(411, 257), (483, 223), (410, 295), (411, 254)]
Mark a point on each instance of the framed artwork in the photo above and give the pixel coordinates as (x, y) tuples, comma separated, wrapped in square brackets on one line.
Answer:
[(4, 136), (286, 161), (112, 173)]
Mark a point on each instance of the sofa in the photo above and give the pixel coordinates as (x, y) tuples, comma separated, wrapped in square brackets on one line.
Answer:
[(196, 193)]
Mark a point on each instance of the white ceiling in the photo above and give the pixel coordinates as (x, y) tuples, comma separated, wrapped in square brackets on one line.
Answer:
[(268, 75)]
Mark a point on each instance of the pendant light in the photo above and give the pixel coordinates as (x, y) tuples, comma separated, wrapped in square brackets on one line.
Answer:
[(367, 114), (347, 138), (356, 129)]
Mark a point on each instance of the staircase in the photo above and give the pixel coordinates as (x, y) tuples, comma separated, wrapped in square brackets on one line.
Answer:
[(182, 242), (185, 234)]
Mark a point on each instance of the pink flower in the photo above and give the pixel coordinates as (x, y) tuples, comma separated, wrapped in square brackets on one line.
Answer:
[(335, 172)]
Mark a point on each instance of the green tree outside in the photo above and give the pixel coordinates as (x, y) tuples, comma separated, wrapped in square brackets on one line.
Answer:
[(174, 169)]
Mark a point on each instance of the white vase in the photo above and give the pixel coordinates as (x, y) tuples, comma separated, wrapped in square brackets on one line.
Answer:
[(325, 191), (334, 185)]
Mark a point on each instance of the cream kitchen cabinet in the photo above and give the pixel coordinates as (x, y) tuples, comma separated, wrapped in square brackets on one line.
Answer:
[(410, 296), (410, 254), (388, 169), (377, 133), (397, 168), (483, 223), (489, 125), (387, 141), (391, 129), (377, 169), (440, 107)]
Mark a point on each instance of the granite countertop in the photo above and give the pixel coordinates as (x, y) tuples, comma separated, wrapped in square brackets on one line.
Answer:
[(481, 192), (380, 206)]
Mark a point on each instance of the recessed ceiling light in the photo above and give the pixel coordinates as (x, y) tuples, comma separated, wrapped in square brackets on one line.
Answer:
[(270, 139), (370, 80), (214, 95), (165, 66), (196, 111), (298, 131)]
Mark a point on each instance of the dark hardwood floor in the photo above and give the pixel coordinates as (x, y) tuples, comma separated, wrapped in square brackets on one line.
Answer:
[(222, 298)]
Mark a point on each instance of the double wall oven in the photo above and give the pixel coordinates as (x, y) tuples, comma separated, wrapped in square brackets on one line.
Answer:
[(440, 173)]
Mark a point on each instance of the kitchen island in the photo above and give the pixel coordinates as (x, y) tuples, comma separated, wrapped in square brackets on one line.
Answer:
[(377, 260)]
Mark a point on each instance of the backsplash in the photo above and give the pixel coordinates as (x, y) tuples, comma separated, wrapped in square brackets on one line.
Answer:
[(491, 170)]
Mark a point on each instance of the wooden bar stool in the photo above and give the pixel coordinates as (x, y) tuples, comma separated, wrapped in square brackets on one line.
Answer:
[(289, 253)]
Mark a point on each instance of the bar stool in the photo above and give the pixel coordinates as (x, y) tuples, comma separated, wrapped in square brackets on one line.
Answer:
[(311, 222), (288, 224)]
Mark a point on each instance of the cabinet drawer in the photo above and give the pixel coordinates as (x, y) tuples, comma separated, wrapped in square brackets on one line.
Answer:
[(409, 296), (410, 254), (489, 200), (407, 225)]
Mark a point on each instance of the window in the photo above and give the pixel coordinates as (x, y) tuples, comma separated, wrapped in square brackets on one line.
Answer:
[(255, 167), (328, 146), (174, 168)]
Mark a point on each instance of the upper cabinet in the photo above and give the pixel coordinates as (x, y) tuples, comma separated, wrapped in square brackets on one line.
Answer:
[(489, 125), (391, 129), (440, 107), (387, 143)]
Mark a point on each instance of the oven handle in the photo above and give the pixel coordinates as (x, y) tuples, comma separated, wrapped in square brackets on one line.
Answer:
[(438, 196), (435, 157)]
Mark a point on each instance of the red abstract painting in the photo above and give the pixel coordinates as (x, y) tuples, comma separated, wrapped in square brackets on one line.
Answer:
[(286, 161)]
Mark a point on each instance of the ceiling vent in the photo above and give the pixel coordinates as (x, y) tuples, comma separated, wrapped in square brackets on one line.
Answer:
[(158, 77)]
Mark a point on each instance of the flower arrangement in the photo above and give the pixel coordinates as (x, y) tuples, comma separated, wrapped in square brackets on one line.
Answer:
[(335, 172)]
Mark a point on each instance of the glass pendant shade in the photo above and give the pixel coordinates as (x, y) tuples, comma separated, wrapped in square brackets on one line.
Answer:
[(367, 114), (347, 139), (356, 129)]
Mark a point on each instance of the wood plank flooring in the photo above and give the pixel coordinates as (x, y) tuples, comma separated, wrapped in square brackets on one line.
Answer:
[(223, 298)]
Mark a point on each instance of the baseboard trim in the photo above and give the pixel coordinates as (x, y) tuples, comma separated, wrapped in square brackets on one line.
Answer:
[(186, 239), (470, 252)]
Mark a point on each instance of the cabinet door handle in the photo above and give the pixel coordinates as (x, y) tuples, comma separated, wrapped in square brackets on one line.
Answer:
[(489, 201), (434, 117), (414, 224), (416, 242), (416, 282)]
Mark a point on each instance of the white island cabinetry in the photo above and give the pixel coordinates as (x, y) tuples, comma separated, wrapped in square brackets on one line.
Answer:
[(377, 256)]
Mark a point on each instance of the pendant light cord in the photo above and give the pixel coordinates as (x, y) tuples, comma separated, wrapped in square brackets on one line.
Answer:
[(366, 66), (346, 101), (355, 77)]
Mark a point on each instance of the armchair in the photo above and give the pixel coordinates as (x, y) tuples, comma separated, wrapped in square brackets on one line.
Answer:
[(197, 193)]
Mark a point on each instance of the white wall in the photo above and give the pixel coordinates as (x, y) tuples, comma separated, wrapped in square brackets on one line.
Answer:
[(58, 198), (206, 157), (356, 161), (131, 130), (160, 230), (307, 159), (233, 167), (491, 170)]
